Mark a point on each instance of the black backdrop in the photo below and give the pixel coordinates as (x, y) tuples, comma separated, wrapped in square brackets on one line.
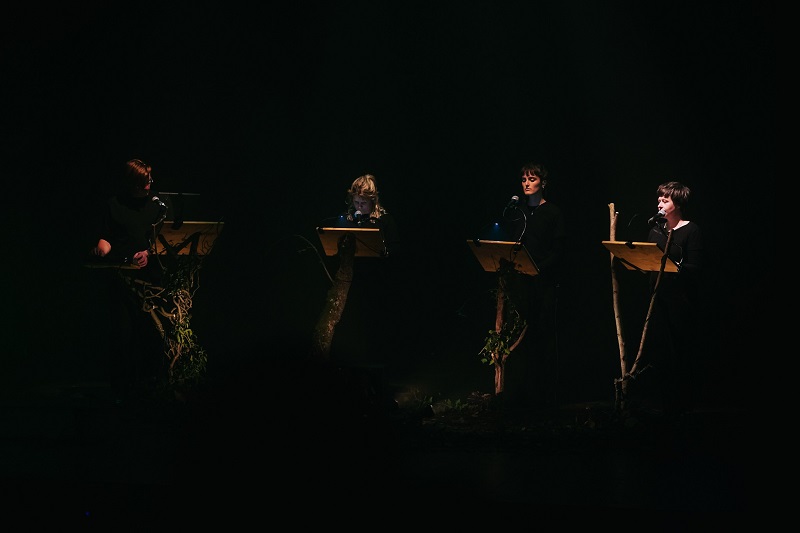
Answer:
[(270, 112)]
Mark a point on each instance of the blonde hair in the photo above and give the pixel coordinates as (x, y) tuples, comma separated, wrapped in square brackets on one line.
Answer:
[(367, 187)]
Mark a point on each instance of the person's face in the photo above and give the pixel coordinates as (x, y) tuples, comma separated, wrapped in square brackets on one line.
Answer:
[(144, 188), (666, 203), (362, 204), (531, 184)]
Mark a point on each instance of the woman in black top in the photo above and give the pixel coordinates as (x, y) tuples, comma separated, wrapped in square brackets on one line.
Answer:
[(131, 222), (537, 224), (675, 340), (686, 246), (364, 325), (364, 207), (124, 242)]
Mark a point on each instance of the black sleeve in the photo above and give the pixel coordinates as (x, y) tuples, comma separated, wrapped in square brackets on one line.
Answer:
[(391, 236)]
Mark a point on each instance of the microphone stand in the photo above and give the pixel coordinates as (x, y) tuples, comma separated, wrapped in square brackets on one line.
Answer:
[(518, 246)]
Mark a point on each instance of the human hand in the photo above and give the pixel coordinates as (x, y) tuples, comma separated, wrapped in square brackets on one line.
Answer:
[(140, 258), (102, 248)]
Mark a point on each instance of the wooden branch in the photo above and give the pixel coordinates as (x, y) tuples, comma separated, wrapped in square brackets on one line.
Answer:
[(337, 297), (500, 319), (519, 339), (613, 216), (652, 304), (500, 363)]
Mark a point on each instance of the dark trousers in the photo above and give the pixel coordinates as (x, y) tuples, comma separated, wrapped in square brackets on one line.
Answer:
[(532, 368), (672, 352), (135, 357)]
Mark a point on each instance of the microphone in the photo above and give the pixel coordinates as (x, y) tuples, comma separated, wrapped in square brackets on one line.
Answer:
[(655, 218), (163, 214), (513, 201), (357, 216)]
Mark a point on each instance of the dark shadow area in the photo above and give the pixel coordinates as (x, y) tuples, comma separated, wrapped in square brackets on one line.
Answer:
[(268, 114)]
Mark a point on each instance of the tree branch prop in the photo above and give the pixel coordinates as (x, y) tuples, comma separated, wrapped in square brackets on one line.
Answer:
[(509, 329), (337, 298), (620, 384)]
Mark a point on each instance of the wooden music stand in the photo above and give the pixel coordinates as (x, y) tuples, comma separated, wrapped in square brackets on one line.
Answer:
[(99, 263), (186, 238), (369, 241), (643, 256), (489, 254)]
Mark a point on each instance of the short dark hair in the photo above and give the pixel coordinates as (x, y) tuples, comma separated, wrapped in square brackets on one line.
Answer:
[(537, 169), (677, 192), (136, 175)]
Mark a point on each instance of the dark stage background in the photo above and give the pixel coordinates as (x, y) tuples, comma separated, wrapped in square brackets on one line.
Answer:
[(270, 112)]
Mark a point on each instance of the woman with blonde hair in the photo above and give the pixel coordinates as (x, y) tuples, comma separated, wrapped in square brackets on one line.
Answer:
[(364, 207), (358, 341), (363, 197)]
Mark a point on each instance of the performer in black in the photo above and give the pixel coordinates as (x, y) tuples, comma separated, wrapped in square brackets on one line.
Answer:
[(674, 334), (125, 236), (539, 225), (364, 321), (364, 207)]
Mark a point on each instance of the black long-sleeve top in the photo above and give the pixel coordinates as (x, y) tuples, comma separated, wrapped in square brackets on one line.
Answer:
[(686, 251), (128, 224), (542, 230), (386, 224), (131, 224)]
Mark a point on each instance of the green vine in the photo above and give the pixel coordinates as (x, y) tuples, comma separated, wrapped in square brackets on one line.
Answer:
[(187, 358), (189, 367), (498, 343), (169, 306)]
